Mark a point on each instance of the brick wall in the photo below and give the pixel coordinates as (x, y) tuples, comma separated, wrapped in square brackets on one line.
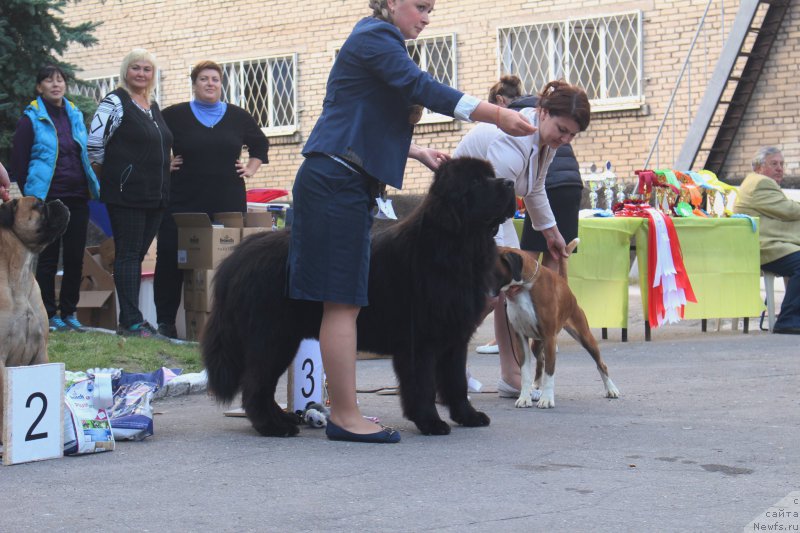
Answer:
[(181, 32)]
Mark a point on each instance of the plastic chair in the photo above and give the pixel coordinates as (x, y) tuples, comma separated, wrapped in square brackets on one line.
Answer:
[(769, 289)]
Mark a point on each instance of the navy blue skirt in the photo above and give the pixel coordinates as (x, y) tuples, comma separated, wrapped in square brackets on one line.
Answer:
[(330, 243)]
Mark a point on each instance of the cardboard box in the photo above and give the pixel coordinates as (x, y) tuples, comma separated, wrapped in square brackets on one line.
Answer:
[(257, 222), (97, 306), (249, 223), (197, 291), (233, 219), (195, 323), (201, 245)]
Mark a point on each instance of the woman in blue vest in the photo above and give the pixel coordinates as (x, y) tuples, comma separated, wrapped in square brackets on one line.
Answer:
[(129, 147), (359, 144), (49, 160)]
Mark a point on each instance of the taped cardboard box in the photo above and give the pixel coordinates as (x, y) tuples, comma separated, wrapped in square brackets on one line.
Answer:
[(197, 292), (97, 306), (201, 245)]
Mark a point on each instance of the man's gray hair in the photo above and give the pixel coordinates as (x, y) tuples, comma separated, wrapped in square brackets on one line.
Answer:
[(763, 153)]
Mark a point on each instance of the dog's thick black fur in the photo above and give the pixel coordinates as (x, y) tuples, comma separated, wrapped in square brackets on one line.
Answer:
[(429, 278)]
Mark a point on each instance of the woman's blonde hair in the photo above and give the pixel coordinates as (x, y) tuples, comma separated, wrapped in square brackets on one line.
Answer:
[(380, 10), (138, 54)]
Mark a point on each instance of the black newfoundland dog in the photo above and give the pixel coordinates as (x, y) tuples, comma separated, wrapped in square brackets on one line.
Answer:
[(429, 278)]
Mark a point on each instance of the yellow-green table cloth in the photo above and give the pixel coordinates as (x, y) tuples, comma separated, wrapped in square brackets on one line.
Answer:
[(721, 257)]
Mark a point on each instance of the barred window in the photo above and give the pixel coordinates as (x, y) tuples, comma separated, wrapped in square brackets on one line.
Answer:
[(266, 88), (98, 88), (437, 56), (601, 54)]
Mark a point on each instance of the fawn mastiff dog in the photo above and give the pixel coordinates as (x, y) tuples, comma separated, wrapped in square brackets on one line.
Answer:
[(27, 226)]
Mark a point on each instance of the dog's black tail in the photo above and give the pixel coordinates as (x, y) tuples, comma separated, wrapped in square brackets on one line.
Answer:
[(223, 366)]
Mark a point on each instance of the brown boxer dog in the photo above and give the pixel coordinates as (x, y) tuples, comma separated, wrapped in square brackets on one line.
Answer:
[(27, 226), (539, 309)]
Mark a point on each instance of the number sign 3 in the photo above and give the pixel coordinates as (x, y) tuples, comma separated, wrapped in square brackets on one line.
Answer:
[(34, 413), (306, 378)]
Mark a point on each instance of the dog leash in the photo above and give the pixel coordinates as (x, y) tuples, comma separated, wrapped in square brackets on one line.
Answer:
[(508, 325), (511, 335)]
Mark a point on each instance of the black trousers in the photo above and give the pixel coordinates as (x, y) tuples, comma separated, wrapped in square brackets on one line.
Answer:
[(134, 230), (168, 280), (71, 245)]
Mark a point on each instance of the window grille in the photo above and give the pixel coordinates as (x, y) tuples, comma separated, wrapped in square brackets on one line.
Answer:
[(266, 88), (601, 54), (437, 56), (98, 88)]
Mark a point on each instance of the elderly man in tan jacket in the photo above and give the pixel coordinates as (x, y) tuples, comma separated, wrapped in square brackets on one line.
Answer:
[(760, 195)]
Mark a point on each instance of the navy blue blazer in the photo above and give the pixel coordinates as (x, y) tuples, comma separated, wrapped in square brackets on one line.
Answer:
[(371, 88)]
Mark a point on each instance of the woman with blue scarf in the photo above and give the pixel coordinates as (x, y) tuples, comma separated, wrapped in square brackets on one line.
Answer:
[(207, 175)]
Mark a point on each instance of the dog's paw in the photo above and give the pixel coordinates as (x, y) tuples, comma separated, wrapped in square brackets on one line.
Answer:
[(523, 401), (277, 430), (433, 427), (475, 419), (611, 390), (546, 402), (535, 395)]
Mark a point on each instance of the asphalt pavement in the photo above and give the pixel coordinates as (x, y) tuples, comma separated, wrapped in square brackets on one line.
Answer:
[(704, 437)]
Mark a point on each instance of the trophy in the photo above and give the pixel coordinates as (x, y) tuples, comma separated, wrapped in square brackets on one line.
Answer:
[(621, 192), (593, 186), (609, 180)]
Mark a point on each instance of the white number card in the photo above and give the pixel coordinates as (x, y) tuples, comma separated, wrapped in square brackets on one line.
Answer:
[(306, 377), (33, 407)]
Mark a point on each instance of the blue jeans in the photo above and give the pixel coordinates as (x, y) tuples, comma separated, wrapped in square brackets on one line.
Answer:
[(788, 266)]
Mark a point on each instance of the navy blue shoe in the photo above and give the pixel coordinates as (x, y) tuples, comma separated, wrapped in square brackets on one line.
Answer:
[(790, 330), (384, 436)]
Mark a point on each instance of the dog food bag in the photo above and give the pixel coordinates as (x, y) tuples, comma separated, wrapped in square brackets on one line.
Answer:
[(86, 429), (132, 415)]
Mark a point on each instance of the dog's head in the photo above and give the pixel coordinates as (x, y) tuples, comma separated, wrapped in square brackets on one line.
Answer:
[(508, 269), (34, 222), (469, 196)]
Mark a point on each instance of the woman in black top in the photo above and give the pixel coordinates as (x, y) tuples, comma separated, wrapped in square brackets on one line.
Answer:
[(207, 177), (129, 147)]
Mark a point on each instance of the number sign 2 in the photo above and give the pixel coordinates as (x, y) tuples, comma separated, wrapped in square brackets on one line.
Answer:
[(33, 413), (306, 378)]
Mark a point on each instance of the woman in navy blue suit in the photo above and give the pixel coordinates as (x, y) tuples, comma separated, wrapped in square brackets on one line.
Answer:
[(361, 143)]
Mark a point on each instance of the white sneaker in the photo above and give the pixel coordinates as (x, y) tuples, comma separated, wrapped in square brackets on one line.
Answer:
[(504, 390), (488, 348)]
